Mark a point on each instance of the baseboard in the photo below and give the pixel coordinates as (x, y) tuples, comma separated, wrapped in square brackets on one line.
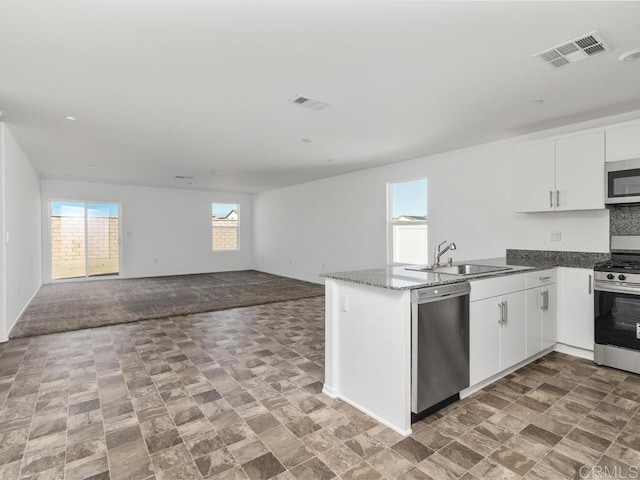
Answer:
[(333, 394), (480, 385), (575, 351), (329, 392), (20, 314), (4, 339)]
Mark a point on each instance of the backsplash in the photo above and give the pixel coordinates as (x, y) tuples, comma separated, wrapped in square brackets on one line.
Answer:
[(553, 258), (624, 220)]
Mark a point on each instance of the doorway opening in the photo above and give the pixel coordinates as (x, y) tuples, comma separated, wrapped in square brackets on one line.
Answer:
[(85, 239)]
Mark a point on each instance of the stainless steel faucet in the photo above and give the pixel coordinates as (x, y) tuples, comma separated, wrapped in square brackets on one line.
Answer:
[(438, 252)]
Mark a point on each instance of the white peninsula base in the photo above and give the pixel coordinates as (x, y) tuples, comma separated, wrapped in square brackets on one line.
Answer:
[(368, 350)]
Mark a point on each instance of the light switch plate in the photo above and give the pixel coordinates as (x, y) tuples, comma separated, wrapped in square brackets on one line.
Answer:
[(555, 236)]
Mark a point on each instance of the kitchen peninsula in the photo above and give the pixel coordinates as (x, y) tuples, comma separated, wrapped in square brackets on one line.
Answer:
[(369, 339)]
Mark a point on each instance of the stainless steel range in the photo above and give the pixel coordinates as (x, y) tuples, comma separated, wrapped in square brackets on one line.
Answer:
[(617, 306)]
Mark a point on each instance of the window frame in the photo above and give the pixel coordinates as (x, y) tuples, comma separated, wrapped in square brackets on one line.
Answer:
[(238, 228), (392, 223)]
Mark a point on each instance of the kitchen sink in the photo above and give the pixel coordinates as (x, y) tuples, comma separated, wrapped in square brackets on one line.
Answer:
[(466, 269)]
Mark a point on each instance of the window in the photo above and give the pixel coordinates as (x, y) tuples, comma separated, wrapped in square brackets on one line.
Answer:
[(85, 239), (224, 225), (408, 236)]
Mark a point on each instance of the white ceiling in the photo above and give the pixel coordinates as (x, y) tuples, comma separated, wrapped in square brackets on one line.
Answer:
[(184, 87)]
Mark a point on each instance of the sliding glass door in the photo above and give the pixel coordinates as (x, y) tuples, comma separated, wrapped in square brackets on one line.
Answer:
[(85, 239)]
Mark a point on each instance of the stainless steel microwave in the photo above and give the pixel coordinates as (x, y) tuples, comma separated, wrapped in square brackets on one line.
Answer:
[(622, 182)]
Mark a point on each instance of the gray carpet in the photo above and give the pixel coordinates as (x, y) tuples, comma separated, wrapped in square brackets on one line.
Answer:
[(61, 307)]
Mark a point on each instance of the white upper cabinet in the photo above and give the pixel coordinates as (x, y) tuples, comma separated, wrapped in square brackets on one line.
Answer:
[(580, 172), (563, 174), (534, 177), (623, 143)]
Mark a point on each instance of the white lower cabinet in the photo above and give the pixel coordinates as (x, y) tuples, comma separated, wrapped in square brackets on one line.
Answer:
[(497, 331), (576, 307), (542, 310), (484, 339), (550, 318), (513, 331), (511, 318), (542, 318)]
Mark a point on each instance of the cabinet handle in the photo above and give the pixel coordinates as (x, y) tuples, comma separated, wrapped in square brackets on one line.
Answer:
[(542, 296), (557, 198), (506, 312), (550, 198), (545, 300), (501, 319), (544, 279), (589, 284)]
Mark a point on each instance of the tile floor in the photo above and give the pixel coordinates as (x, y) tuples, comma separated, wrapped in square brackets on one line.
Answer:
[(236, 394)]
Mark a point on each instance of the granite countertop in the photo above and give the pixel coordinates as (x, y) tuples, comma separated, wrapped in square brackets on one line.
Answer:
[(399, 278)]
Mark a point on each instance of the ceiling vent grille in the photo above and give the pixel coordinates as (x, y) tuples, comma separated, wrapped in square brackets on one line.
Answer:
[(309, 102), (573, 51)]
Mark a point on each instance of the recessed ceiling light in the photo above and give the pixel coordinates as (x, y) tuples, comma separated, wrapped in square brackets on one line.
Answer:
[(69, 117), (537, 102), (630, 55), (306, 140)]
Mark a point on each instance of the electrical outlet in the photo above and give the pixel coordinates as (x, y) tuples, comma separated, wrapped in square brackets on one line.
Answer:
[(344, 303), (555, 236)]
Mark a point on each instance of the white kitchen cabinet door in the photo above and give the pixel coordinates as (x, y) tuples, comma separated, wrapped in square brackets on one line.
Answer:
[(534, 177), (623, 143), (580, 172), (550, 317), (577, 307), (513, 332), (542, 324), (534, 320), (484, 339)]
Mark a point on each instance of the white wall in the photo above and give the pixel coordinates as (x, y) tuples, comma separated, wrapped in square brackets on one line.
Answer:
[(21, 267), (339, 223), (171, 225)]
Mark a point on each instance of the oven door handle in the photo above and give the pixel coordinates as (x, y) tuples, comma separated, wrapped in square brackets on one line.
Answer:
[(617, 288)]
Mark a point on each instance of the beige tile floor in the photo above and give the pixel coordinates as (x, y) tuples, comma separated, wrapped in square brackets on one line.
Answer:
[(236, 394)]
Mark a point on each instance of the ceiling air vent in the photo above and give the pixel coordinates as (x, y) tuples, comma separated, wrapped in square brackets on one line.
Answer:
[(184, 177), (573, 51), (309, 102)]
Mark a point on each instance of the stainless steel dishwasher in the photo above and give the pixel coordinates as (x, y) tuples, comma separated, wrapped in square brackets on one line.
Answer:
[(440, 346)]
